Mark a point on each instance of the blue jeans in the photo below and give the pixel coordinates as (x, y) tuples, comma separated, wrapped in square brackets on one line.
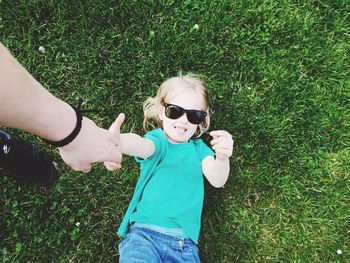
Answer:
[(143, 245)]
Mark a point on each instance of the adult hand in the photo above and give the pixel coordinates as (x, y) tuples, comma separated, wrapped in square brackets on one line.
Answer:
[(93, 144)]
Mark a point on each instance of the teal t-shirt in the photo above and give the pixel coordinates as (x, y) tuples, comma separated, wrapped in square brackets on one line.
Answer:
[(173, 195)]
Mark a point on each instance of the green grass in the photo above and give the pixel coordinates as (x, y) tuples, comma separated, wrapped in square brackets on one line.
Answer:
[(278, 75)]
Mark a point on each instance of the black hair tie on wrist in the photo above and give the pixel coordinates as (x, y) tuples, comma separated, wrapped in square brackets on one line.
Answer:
[(76, 130)]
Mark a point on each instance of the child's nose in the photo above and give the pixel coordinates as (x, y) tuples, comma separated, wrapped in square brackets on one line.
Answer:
[(183, 118)]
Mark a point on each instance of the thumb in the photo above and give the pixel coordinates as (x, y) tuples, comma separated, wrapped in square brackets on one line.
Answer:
[(115, 127), (86, 168)]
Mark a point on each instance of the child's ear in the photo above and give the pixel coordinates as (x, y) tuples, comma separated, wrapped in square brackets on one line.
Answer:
[(161, 113), (161, 116)]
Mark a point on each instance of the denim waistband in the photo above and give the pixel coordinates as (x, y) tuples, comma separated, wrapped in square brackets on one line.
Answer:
[(176, 232)]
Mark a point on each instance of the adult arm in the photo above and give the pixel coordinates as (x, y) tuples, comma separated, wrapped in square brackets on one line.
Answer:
[(26, 105)]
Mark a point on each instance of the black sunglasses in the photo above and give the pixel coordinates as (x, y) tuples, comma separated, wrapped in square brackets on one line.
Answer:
[(174, 112)]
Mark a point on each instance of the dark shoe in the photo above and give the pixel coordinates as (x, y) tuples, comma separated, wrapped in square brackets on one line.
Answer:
[(26, 162)]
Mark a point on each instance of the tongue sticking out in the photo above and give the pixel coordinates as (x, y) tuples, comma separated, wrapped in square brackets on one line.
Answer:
[(180, 130)]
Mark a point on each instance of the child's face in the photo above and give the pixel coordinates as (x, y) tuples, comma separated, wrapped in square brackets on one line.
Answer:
[(181, 130)]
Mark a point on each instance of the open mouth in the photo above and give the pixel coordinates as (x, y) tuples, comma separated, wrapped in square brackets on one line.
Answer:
[(180, 129)]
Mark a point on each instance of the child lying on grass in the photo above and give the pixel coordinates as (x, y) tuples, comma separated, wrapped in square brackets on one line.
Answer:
[(162, 222)]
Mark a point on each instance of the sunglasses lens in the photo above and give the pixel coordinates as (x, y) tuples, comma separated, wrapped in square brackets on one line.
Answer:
[(196, 117), (173, 112)]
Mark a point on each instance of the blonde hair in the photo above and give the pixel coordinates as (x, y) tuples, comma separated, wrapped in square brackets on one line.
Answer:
[(167, 90)]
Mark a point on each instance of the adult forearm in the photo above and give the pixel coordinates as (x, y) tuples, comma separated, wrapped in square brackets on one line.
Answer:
[(26, 105)]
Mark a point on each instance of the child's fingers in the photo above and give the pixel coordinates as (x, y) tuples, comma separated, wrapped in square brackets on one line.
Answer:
[(219, 133), (111, 166), (219, 140), (223, 153), (218, 147), (223, 148), (222, 143), (222, 140)]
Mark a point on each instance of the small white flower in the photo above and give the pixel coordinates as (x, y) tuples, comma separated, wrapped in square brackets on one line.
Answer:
[(42, 49), (196, 26), (339, 252), (77, 224)]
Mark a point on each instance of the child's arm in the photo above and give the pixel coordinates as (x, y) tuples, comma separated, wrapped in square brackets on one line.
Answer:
[(216, 170), (131, 144), (134, 145)]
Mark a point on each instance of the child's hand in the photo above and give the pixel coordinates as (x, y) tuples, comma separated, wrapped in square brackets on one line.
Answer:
[(222, 144)]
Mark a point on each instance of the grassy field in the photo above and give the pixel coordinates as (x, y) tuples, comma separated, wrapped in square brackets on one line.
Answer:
[(278, 75)]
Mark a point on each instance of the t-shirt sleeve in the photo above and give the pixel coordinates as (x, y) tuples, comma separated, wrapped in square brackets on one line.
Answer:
[(203, 150), (156, 136)]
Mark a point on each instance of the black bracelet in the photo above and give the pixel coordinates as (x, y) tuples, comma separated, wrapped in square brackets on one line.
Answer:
[(74, 133)]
